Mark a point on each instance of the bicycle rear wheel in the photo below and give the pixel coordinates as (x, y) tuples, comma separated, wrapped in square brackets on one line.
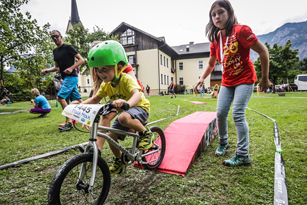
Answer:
[(157, 157), (65, 188)]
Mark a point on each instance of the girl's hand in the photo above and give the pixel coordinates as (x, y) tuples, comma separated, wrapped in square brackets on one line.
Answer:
[(199, 82), (86, 127), (264, 84)]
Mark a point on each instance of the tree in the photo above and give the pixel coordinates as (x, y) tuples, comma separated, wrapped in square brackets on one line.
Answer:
[(282, 59), (302, 65), (14, 84), (21, 37), (80, 38)]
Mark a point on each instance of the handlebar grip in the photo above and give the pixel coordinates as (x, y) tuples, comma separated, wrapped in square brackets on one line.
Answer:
[(125, 106)]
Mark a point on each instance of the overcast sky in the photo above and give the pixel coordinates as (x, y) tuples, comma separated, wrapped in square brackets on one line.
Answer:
[(178, 21)]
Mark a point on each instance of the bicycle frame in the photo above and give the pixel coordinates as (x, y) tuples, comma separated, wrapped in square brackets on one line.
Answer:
[(132, 156)]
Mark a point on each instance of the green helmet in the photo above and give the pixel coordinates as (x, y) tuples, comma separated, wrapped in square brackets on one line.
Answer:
[(106, 53)]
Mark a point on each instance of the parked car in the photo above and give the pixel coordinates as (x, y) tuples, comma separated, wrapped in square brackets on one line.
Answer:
[(293, 87)]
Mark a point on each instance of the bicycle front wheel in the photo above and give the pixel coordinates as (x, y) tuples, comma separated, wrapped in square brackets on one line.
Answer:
[(155, 158), (67, 188)]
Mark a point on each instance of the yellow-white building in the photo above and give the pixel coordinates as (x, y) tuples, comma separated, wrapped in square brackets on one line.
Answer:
[(155, 63)]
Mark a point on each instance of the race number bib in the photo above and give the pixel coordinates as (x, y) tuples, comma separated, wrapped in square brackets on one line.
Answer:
[(83, 113)]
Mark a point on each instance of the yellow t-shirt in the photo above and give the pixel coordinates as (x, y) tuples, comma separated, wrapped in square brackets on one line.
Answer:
[(123, 91)]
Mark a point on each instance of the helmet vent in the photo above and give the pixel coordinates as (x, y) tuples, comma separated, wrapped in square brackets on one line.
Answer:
[(92, 58)]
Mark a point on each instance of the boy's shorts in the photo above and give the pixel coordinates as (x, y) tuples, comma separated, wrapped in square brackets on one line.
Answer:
[(172, 91), (69, 88), (136, 113)]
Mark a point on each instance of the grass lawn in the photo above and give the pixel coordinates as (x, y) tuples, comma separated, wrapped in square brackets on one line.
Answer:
[(207, 182)]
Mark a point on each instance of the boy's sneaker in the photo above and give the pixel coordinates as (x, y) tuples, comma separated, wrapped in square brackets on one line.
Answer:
[(221, 149), (145, 141), (66, 127), (117, 166), (238, 160)]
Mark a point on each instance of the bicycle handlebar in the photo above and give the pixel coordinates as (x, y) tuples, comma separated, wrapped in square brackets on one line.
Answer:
[(125, 106)]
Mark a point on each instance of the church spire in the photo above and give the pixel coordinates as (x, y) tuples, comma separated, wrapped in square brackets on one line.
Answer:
[(74, 18), (74, 13)]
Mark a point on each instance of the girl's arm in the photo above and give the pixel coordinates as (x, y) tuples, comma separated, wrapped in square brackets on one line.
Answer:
[(131, 73), (264, 59), (34, 104), (93, 100), (209, 68)]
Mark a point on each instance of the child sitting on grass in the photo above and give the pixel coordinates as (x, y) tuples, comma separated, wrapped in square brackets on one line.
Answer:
[(108, 59)]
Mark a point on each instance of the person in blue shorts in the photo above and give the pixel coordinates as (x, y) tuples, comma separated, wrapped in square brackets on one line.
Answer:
[(64, 58), (41, 104), (172, 89)]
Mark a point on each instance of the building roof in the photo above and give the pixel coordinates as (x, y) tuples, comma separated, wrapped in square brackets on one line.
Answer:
[(163, 46), (192, 48), (124, 26), (174, 51)]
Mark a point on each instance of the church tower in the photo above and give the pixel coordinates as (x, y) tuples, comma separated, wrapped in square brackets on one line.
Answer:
[(74, 17)]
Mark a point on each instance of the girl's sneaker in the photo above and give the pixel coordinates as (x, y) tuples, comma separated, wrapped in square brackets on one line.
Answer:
[(238, 160), (221, 150), (61, 125), (73, 121)]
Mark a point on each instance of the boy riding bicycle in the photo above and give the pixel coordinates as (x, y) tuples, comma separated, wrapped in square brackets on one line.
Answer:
[(109, 59)]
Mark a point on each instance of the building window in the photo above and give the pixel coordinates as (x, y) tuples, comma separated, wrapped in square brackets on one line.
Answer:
[(164, 79), (88, 81), (200, 64), (127, 38), (181, 81), (172, 79), (181, 66), (167, 80), (131, 59), (161, 78), (164, 60), (161, 59), (167, 62)]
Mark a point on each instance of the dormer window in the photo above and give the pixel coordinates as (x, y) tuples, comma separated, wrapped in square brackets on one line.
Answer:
[(127, 38)]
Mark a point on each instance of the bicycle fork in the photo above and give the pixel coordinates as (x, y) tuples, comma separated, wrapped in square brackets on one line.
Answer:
[(92, 143)]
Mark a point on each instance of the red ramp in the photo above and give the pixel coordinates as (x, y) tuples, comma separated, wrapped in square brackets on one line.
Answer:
[(186, 139)]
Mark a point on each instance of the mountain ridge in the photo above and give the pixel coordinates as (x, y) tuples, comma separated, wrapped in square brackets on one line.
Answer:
[(295, 32)]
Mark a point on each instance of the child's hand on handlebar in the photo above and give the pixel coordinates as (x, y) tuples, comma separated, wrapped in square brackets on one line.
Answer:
[(118, 103), (75, 102)]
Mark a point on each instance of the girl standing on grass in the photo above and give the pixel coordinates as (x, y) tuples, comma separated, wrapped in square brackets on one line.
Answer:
[(230, 45)]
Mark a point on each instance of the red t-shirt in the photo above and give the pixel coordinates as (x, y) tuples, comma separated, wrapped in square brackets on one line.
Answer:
[(237, 65), (130, 68)]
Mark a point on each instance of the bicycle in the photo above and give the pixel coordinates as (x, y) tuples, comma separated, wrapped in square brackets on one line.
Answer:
[(78, 180)]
